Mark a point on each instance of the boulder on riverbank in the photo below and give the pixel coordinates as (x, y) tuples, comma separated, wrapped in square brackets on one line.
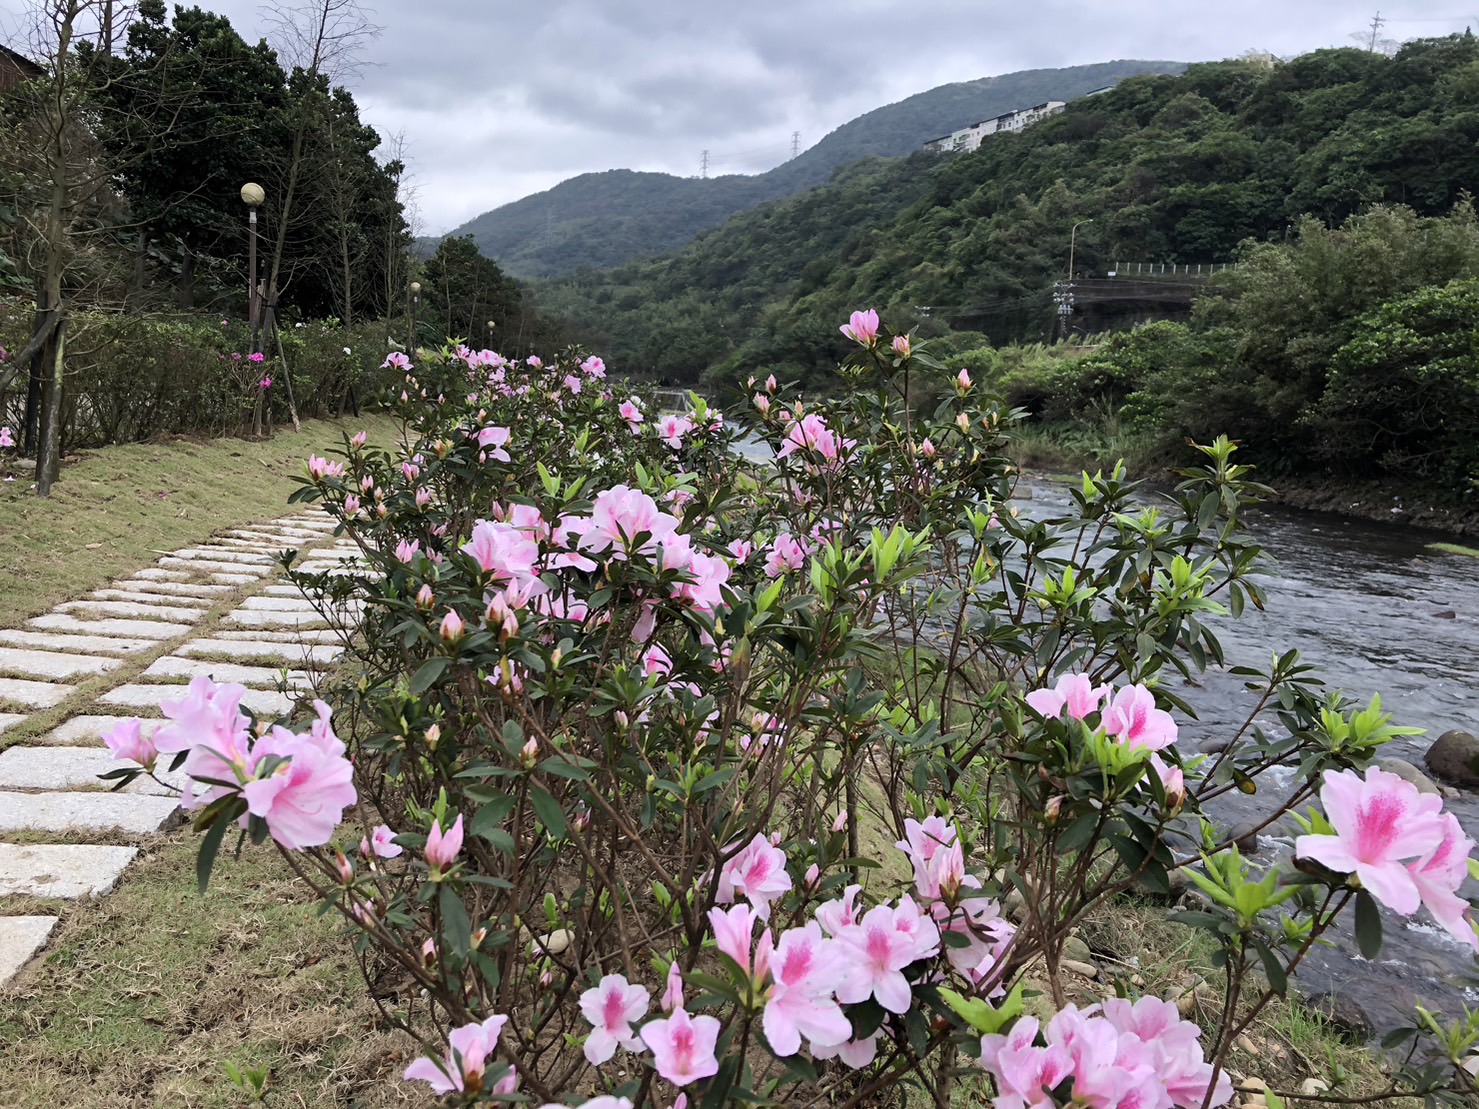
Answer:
[(1408, 773), (1455, 758)]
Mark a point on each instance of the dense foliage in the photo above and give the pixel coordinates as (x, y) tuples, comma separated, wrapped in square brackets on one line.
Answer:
[(787, 780), (1169, 169), (598, 220)]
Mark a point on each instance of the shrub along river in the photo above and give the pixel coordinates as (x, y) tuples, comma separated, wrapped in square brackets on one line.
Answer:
[(1375, 610)]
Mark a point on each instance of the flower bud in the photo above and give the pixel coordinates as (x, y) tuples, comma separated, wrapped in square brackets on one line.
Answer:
[(346, 871), (1053, 807), (453, 628), (433, 736), (479, 934), (963, 423), (425, 598), (901, 345), (529, 753), (359, 440), (351, 505), (428, 953), (813, 876), (582, 818), (841, 822)]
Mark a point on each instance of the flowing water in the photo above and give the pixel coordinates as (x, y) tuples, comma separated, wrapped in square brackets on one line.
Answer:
[(1375, 611)]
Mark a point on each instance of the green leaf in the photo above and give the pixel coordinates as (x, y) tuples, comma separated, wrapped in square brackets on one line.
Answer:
[(562, 769), (205, 861), (456, 928), (1278, 980), (430, 671), (980, 1014), (548, 810), (1368, 925)]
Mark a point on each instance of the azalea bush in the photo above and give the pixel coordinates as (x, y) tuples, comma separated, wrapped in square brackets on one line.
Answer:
[(671, 777)]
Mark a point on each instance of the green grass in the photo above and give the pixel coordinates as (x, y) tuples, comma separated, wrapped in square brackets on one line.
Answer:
[(143, 994), (1453, 549), (117, 509)]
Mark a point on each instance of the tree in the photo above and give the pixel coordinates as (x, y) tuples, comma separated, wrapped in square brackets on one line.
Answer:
[(464, 290)]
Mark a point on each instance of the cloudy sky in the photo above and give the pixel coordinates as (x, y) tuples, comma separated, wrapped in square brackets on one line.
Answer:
[(497, 99)]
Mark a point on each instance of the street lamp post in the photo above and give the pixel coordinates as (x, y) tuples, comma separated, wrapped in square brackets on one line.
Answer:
[(415, 304), (253, 195), (490, 334), (1072, 236)]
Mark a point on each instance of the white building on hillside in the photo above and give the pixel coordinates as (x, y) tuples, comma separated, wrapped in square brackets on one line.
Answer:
[(969, 138)]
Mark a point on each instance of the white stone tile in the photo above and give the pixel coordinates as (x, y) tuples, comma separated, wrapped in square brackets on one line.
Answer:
[(220, 566), (323, 636), (66, 870), (174, 614), (67, 768), (223, 554), (279, 604), (53, 664), (171, 589), (139, 597), (184, 669), (139, 696), (293, 654), (254, 618), (87, 731), (36, 695), (20, 938), (55, 641), (154, 573), (234, 579), (136, 629), (83, 812), (7, 719)]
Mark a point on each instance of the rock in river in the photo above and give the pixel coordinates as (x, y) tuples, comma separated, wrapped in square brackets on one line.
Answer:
[(1408, 773), (1345, 1016), (1455, 758)]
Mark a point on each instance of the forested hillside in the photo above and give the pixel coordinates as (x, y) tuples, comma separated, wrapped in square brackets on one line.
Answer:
[(606, 219), (1168, 168)]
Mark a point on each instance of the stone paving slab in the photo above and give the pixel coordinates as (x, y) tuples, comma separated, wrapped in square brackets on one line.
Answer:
[(139, 629), (133, 610), (66, 870), (186, 668), (87, 731), (141, 597), (223, 554), (255, 618), (20, 938), (9, 718), (323, 636), (36, 695), (155, 573), (220, 566), (172, 589), (82, 812), (134, 695), (53, 664), (291, 653), (105, 644), (73, 768), (229, 578)]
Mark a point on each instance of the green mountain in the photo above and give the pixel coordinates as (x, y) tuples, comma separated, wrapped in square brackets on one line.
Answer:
[(605, 219), (1173, 169)]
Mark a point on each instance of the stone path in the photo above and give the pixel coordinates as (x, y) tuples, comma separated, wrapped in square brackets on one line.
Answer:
[(219, 609)]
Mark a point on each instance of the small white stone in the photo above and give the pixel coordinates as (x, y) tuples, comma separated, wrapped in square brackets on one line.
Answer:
[(51, 664), (9, 718), (35, 695), (83, 811), (87, 731), (292, 654), (152, 696), (132, 609), (264, 676), (66, 870), (137, 629), (20, 938), (64, 768)]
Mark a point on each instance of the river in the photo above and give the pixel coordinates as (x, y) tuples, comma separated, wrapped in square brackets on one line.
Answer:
[(1375, 610)]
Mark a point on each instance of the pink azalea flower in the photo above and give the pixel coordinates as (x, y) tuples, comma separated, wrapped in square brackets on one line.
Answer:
[(395, 360), (359, 440), (468, 1051), (497, 438), (303, 798), (806, 969), (757, 873), (683, 1047), (741, 550), (503, 552), (734, 930), (381, 843), (535, 361), (256, 356), (619, 515), (879, 947), (839, 913), (855, 1053), (442, 849), (988, 936), (593, 367), (862, 327), (631, 414), (1074, 693), (786, 554), (934, 851), (1133, 719), (1173, 1045), (762, 403), (963, 381), (406, 550), (672, 995), (1025, 1073), (901, 345), (927, 449), (656, 661), (812, 433), (671, 429), (126, 743), (207, 715), (611, 1007), (708, 574), (1380, 822), (320, 468), (1438, 876), (351, 505), (1173, 780), (453, 627), (6, 438)]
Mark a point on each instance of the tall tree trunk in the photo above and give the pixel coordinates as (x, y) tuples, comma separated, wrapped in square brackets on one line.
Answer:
[(141, 273), (185, 295), (31, 420), (49, 456)]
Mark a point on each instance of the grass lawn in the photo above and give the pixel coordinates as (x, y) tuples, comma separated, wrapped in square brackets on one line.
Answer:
[(119, 508)]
